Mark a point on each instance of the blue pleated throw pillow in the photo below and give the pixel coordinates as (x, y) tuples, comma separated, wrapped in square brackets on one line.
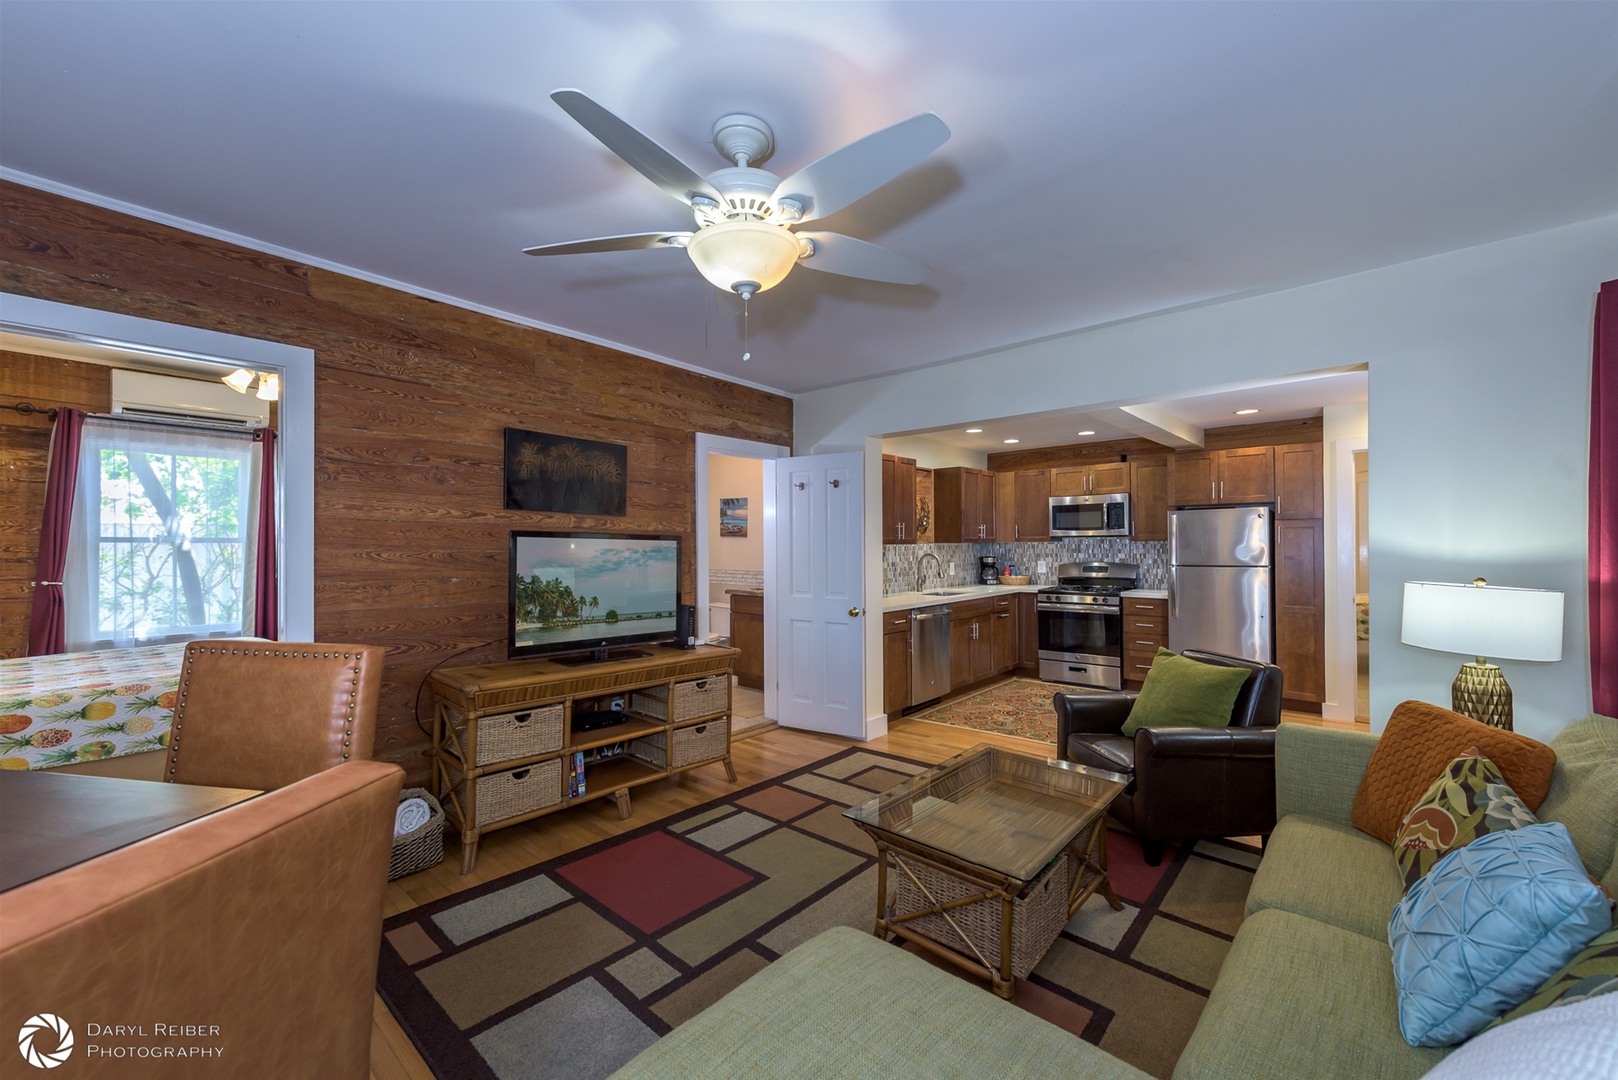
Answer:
[(1491, 922)]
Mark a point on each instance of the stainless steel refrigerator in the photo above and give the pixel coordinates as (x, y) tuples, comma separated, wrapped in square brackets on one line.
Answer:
[(1222, 581)]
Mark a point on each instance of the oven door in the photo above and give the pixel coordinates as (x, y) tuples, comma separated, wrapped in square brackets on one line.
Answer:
[(1081, 632), (1090, 515)]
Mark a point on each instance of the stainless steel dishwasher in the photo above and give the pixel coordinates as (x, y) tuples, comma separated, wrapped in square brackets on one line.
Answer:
[(929, 653)]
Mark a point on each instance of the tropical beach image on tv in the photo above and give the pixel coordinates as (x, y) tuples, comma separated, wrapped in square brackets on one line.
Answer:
[(572, 592)]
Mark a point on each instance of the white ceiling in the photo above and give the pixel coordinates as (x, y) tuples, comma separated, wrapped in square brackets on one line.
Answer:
[(1107, 159)]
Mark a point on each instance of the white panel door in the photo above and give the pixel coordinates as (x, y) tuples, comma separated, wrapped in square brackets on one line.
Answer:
[(820, 593)]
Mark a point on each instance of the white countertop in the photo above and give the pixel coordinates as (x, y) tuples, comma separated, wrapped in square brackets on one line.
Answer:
[(1148, 594), (957, 594)]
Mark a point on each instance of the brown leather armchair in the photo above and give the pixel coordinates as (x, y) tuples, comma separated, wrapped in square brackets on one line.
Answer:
[(1185, 782), (264, 714)]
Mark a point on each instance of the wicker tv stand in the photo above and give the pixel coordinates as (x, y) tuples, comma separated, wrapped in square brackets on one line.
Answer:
[(505, 750)]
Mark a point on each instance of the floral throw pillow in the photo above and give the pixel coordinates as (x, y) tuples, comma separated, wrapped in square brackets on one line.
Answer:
[(1469, 799)]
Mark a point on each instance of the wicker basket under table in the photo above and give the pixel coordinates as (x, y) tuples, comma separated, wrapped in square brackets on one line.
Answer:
[(422, 847)]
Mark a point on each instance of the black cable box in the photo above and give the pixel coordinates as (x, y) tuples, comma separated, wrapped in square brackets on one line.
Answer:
[(597, 718)]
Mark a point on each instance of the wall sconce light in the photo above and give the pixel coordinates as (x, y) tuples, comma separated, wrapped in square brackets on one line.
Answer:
[(1483, 620), (241, 380)]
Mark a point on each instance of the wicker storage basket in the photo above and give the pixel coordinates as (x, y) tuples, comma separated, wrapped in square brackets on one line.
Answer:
[(701, 742), (421, 847), (1037, 916), (694, 698), (508, 736), (506, 794)]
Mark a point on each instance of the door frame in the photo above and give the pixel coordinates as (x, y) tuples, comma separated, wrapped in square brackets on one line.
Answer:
[(740, 448), (1342, 667)]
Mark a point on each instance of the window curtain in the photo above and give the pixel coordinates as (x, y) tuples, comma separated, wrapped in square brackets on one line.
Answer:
[(264, 594), (47, 621), (146, 563), (1604, 504)]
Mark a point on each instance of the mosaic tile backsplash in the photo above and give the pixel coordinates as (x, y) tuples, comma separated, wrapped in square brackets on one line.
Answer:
[(899, 560)]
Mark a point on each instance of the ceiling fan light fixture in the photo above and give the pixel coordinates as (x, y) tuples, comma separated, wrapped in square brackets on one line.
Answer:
[(736, 253)]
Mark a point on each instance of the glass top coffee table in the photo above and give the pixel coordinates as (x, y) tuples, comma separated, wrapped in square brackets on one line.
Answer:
[(993, 852)]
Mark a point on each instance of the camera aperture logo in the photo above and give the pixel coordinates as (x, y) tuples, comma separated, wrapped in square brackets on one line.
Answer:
[(45, 1028)]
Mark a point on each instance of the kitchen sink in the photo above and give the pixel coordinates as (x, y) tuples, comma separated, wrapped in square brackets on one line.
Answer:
[(943, 592)]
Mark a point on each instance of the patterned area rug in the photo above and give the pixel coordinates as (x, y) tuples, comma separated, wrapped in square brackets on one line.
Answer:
[(570, 968), (1020, 707)]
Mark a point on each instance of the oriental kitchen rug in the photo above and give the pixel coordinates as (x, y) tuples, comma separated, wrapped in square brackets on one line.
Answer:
[(571, 967), (1019, 707)]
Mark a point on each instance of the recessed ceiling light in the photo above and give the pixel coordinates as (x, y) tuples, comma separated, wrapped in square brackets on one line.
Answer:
[(1013, 440), (1245, 412), (974, 431), (1086, 433)]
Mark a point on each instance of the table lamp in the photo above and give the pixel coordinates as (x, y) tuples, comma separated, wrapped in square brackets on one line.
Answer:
[(1483, 620)]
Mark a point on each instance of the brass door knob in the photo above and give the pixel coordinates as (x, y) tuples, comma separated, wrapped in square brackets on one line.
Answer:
[(853, 613)]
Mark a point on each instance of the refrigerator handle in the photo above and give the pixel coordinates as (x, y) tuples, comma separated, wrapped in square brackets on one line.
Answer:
[(1174, 604)]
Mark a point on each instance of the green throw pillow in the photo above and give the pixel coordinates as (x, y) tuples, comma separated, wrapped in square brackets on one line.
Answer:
[(1469, 799), (1593, 971), (1181, 692)]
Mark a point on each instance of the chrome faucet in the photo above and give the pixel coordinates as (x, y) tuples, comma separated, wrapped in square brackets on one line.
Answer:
[(921, 570)]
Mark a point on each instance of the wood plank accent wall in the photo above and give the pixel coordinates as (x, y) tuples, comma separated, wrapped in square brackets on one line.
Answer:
[(411, 399), (1271, 433), (25, 443)]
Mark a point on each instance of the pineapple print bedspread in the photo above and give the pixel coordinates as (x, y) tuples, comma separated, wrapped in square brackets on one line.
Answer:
[(55, 710)]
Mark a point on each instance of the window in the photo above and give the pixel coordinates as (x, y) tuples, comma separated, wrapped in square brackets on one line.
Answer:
[(162, 535)]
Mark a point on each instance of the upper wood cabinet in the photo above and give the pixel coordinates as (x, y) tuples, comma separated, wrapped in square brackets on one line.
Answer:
[(1149, 503), (1106, 478), (1298, 481), (1220, 477), (898, 499), (963, 505), (1022, 505)]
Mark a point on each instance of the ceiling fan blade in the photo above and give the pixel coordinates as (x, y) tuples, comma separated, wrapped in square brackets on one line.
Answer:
[(835, 253), (627, 242), (843, 176), (645, 156)]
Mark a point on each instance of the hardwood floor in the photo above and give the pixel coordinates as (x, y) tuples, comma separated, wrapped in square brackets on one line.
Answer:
[(758, 758)]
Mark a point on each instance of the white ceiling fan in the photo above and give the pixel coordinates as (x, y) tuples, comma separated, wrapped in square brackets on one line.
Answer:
[(744, 240)]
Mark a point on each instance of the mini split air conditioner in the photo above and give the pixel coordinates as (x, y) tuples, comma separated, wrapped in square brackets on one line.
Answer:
[(141, 393)]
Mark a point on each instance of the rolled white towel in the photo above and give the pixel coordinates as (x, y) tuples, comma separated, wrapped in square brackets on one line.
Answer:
[(411, 815)]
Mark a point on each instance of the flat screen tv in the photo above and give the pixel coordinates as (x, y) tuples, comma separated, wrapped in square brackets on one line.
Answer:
[(575, 596)]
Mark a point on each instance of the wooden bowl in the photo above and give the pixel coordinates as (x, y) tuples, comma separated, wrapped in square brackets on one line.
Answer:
[(1014, 579)]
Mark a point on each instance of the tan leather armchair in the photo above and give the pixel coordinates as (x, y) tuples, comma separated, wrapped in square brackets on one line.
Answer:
[(257, 926), (263, 714)]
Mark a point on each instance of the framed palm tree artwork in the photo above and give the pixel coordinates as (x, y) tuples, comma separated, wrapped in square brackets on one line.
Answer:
[(565, 475)]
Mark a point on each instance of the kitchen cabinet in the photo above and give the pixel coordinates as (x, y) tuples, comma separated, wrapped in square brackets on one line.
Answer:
[(1104, 478), (1003, 635), (1149, 499), (895, 662), (971, 642), (1146, 629), (1299, 481), (898, 499), (1022, 505), (963, 505), (1027, 607), (747, 636), (1300, 603), (1223, 477)]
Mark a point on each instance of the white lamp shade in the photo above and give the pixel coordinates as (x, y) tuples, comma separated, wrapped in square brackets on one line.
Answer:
[(239, 380), (733, 252), (1483, 620), (269, 386)]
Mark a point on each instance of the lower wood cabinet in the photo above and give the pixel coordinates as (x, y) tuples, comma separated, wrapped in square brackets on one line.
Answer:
[(1003, 634), (1026, 606), (1300, 601), (747, 635), (895, 662), (1146, 629)]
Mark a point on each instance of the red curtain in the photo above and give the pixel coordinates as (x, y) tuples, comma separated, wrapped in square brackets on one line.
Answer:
[(47, 622), (266, 595), (1604, 504)]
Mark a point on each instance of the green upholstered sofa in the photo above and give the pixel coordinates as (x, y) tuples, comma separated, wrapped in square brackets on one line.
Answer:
[(1306, 990)]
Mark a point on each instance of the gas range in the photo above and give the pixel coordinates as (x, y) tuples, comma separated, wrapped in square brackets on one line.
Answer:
[(1081, 624)]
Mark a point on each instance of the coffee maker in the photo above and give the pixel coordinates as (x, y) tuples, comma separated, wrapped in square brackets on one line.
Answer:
[(989, 570)]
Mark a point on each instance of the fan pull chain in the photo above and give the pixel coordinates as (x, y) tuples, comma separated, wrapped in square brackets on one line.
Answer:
[(746, 355)]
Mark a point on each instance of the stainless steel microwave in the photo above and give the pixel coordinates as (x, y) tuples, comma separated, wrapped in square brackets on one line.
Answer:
[(1090, 515)]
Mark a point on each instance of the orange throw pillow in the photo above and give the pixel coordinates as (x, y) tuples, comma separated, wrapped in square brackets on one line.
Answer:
[(1419, 741)]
